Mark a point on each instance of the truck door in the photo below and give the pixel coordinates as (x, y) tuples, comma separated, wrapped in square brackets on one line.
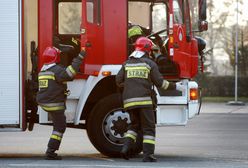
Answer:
[(182, 37), (11, 61), (92, 36)]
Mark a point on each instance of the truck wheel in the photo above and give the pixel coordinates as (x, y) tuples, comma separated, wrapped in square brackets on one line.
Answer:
[(107, 124)]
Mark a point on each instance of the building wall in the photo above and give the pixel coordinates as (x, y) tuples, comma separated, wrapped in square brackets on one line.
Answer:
[(30, 27)]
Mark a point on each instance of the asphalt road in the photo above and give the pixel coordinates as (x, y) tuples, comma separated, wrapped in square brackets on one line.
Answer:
[(216, 138)]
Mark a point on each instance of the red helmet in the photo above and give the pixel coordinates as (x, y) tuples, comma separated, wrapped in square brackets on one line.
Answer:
[(51, 55), (143, 44)]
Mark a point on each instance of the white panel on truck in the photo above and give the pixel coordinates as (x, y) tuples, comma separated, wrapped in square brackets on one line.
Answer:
[(10, 62)]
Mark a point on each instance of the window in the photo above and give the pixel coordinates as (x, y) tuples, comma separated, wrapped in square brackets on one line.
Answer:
[(187, 19), (159, 17), (177, 9), (69, 17), (194, 7), (139, 13), (93, 11)]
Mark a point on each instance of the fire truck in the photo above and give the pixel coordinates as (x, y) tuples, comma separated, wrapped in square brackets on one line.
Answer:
[(101, 28)]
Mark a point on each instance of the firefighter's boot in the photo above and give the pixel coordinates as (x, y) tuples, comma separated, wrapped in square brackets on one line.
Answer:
[(149, 158), (127, 148), (51, 155), (53, 145), (148, 152)]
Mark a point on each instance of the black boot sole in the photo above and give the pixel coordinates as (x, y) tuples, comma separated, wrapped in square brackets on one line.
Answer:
[(149, 159), (53, 158), (124, 156)]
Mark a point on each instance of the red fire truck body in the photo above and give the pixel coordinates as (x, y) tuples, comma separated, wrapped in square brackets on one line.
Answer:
[(101, 28)]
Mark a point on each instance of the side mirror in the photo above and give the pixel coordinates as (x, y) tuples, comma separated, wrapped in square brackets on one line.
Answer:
[(203, 26), (202, 23)]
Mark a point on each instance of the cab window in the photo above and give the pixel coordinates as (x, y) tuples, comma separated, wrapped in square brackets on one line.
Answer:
[(178, 11), (141, 19), (194, 7), (187, 19), (93, 8), (69, 17), (159, 18)]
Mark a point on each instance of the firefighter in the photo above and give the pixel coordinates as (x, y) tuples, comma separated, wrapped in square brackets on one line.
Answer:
[(134, 32), (52, 94), (137, 76), (137, 31)]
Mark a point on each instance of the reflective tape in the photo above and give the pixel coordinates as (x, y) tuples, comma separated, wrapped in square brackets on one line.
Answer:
[(53, 108), (140, 103), (131, 136), (138, 68), (149, 141), (165, 84), (46, 73), (52, 104), (71, 71), (46, 77), (149, 137), (132, 132), (138, 65), (56, 137), (57, 133), (136, 99)]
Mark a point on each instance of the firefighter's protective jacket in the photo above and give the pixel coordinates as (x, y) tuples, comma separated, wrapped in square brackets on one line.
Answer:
[(137, 76), (52, 84)]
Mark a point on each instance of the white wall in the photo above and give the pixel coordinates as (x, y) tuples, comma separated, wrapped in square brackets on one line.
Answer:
[(30, 27)]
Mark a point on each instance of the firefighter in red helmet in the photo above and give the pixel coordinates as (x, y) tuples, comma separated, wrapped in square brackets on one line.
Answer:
[(137, 76), (52, 94)]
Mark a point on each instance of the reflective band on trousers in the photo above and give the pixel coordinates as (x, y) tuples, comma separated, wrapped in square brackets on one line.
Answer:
[(57, 133), (52, 106), (137, 99), (131, 134), (139, 103), (56, 137), (55, 108), (149, 139)]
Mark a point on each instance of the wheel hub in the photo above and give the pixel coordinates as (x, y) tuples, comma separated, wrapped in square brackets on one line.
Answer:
[(120, 126), (115, 125)]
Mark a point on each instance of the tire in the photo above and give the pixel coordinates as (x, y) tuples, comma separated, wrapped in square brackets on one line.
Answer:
[(107, 124)]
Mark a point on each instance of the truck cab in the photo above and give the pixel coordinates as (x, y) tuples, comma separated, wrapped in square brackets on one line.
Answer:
[(101, 29)]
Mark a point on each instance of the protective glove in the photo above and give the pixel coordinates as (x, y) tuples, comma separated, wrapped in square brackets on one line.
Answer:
[(82, 54), (179, 86)]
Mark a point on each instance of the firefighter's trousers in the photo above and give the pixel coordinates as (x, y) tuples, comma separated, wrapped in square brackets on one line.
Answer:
[(59, 126), (143, 119)]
